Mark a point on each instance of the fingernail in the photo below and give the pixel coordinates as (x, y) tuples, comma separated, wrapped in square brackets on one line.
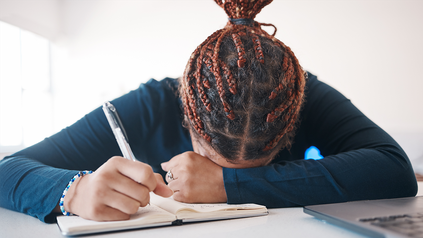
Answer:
[(164, 165)]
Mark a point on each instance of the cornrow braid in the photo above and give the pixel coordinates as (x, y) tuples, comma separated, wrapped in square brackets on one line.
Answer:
[(242, 89), (208, 63), (201, 84), (296, 80), (189, 99), (198, 125), (257, 48), (219, 83), (240, 49), (229, 78), (289, 71)]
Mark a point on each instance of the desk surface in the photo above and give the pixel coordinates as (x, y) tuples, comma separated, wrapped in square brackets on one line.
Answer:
[(288, 222)]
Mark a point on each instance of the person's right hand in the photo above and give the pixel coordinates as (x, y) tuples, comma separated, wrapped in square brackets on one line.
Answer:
[(114, 191)]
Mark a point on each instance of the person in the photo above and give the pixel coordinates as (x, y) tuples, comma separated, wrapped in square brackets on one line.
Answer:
[(233, 128)]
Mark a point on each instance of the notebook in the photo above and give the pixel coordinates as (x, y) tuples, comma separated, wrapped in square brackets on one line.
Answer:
[(161, 212), (398, 217)]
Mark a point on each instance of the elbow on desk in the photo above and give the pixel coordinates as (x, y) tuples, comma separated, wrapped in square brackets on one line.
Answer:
[(384, 173), (408, 187), (402, 181)]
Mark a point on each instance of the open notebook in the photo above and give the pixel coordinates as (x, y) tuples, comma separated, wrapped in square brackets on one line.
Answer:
[(161, 212)]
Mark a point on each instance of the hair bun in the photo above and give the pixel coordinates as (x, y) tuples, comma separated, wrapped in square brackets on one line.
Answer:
[(238, 9)]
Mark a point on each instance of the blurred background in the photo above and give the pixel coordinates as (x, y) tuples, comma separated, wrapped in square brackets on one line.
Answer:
[(60, 59)]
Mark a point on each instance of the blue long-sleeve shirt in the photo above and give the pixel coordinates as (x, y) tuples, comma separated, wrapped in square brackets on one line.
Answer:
[(361, 161)]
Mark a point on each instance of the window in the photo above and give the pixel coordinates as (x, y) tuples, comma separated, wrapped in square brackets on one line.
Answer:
[(26, 95)]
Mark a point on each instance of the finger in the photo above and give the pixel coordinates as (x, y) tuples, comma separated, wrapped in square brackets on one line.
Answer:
[(175, 185), (106, 213), (179, 196), (162, 189), (166, 166), (137, 171), (122, 203), (130, 188), (181, 193)]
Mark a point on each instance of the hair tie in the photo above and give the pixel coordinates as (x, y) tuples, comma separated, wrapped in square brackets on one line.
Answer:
[(242, 21)]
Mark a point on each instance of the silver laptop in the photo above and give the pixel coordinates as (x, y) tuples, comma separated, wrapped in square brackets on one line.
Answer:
[(399, 217)]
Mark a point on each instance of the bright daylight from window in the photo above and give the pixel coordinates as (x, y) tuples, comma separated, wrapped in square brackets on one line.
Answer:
[(25, 88)]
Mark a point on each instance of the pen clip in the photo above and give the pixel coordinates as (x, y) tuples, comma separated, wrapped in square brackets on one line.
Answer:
[(115, 116)]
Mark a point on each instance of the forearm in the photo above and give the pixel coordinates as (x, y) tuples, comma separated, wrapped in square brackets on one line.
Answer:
[(31, 187), (354, 175)]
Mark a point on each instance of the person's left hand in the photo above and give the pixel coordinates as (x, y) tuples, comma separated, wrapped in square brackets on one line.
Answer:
[(196, 179)]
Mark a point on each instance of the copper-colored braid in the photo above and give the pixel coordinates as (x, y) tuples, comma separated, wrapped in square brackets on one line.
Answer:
[(192, 114), (257, 7), (287, 78), (219, 82), (229, 78), (191, 100), (243, 8), (240, 49), (289, 119), (257, 48), (296, 83), (196, 52), (189, 97), (209, 65), (219, 2), (200, 84), (288, 128), (208, 54)]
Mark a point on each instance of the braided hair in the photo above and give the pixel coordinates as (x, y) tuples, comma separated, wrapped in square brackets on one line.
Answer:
[(242, 88)]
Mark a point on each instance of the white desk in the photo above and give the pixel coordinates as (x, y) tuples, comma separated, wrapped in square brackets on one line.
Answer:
[(282, 222)]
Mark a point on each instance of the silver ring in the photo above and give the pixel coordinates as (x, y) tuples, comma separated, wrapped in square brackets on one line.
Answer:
[(169, 175)]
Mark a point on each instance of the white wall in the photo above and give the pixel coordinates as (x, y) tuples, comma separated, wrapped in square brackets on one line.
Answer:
[(39, 16), (369, 50), (113, 46)]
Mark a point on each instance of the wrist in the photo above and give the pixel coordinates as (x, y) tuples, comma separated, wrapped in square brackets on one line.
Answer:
[(221, 188), (231, 185), (70, 192)]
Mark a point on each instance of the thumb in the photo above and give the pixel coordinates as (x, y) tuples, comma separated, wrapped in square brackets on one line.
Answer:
[(162, 189)]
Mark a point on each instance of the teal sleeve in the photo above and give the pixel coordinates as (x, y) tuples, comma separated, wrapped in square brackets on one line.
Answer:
[(38, 189)]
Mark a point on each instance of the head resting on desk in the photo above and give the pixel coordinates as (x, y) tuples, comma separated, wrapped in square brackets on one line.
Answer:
[(242, 89)]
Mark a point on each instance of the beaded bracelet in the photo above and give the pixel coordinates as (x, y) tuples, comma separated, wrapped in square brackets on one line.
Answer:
[(80, 174)]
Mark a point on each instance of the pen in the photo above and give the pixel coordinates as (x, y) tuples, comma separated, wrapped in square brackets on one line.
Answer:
[(118, 130)]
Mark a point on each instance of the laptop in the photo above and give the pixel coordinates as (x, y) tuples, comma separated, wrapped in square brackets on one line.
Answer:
[(398, 217)]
